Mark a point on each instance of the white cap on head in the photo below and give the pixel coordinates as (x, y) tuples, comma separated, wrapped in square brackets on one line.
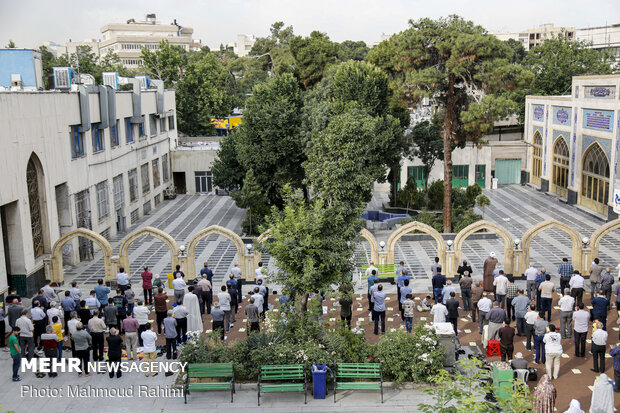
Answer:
[(492, 254), (519, 355), (157, 276)]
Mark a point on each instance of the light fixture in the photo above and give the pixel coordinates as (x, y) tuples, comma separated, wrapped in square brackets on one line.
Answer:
[(517, 243), (249, 247), (585, 241), (182, 249), (449, 243), (382, 245)]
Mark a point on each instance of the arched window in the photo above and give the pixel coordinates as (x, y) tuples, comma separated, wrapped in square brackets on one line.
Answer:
[(537, 159), (560, 167), (38, 222), (595, 179)]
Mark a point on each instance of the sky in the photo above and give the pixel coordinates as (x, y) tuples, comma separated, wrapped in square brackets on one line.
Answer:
[(31, 22)]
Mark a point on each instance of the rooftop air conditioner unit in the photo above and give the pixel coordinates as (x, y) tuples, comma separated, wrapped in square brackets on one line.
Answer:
[(111, 79), (86, 79), (145, 82), (63, 77)]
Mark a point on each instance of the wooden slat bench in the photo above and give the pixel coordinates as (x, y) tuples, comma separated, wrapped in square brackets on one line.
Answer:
[(354, 371), (210, 370), (289, 378)]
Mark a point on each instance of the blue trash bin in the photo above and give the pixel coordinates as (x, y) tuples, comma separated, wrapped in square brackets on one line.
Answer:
[(319, 372)]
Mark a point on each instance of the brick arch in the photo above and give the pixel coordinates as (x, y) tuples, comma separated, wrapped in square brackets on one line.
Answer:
[(213, 229), (123, 252), (544, 226), (600, 232), (413, 226), (55, 269), (491, 227)]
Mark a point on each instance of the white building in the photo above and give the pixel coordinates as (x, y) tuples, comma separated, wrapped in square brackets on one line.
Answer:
[(573, 144), (89, 157), (127, 40), (535, 36), (243, 45), (604, 37), (192, 163)]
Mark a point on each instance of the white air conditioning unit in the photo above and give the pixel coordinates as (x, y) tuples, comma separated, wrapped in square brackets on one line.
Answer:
[(145, 82), (63, 77), (86, 79), (111, 79)]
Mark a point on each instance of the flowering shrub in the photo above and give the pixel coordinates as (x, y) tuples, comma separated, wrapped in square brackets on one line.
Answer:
[(408, 357)]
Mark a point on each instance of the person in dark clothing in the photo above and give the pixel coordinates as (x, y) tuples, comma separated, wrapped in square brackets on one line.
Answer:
[(506, 340), (234, 303), (452, 304), (345, 302), (599, 308), (439, 280), (161, 307), (115, 351), (120, 302), (462, 268), (84, 313)]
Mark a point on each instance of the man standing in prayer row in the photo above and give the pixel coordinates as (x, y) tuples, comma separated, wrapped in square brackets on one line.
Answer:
[(487, 271)]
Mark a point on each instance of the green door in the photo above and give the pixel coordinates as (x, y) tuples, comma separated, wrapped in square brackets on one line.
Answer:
[(481, 175), (508, 171), (460, 176)]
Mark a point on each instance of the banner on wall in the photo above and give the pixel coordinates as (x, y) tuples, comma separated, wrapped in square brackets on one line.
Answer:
[(617, 201)]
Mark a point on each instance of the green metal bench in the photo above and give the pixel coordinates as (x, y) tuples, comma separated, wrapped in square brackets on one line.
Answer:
[(210, 370), (355, 371), (287, 377)]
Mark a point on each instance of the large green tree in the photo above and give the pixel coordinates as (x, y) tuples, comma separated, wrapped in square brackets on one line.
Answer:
[(227, 171), (273, 52), (251, 197), (352, 50), (269, 136), (464, 69), (312, 56), (201, 94), (167, 63)]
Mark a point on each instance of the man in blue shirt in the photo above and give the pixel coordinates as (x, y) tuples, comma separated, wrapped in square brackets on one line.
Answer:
[(540, 278), (371, 281), (101, 292), (378, 298), (68, 305), (615, 353), (120, 302), (399, 284), (599, 308), (400, 269), (207, 271), (566, 271), (439, 280)]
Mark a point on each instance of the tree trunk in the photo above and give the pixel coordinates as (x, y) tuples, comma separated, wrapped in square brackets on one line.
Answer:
[(447, 157), (304, 304)]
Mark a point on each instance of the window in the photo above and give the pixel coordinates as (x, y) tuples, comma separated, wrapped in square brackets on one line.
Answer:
[(203, 181), (595, 178), (135, 216), (152, 125), (157, 199), (171, 122), (119, 195), (537, 159), (105, 233), (103, 209), (560, 167), (133, 185), (77, 142), (97, 135), (114, 140), (164, 167), (480, 175), (460, 176), (417, 173), (146, 208), (128, 130), (162, 125), (144, 174), (141, 133), (155, 166)]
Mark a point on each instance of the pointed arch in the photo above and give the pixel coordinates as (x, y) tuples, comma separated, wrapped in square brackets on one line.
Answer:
[(544, 226), (213, 229), (561, 161), (123, 253), (37, 202), (415, 226), (56, 273), (491, 227), (595, 176), (537, 158), (600, 232)]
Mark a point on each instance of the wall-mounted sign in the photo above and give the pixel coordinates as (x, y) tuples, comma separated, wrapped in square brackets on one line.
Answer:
[(599, 92), (616, 201), (598, 119), (538, 113), (562, 115)]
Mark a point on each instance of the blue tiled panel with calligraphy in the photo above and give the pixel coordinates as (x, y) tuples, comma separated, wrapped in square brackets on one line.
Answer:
[(562, 115), (598, 119), (600, 92), (538, 113)]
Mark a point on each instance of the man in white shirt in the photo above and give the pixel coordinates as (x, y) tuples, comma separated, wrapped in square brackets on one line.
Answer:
[(576, 285), (372, 267), (530, 275), (258, 300), (180, 314), (122, 279), (259, 271), (26, 332), (224, 299), (439, 313), (447, 289), (236, 271), (91, 301), (567, 304), (599, 341), (580, 327), (149, 349), (54, 311), (49, 293), (141, 314), (38, 319), (484, 306), (501, 284), (530, 318), (179, 288)]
